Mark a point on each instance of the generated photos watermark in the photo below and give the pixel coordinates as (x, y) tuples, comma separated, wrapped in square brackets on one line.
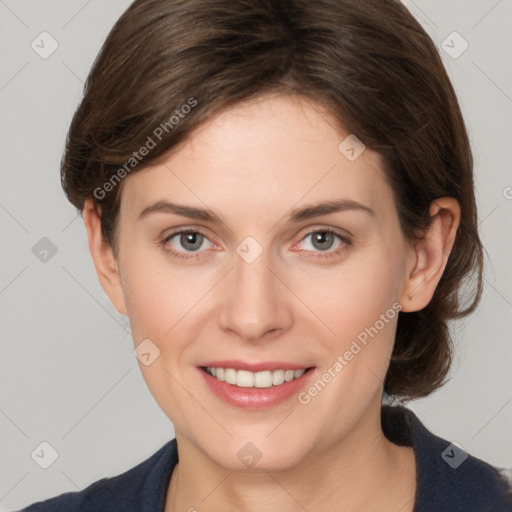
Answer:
[(151, 142), (356, 346)]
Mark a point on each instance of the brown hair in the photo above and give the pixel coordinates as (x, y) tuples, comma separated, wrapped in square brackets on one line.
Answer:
[(368, 61)]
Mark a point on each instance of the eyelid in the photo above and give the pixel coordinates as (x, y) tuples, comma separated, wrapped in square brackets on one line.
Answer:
[(179, 231), (171, 232), (344, 233)]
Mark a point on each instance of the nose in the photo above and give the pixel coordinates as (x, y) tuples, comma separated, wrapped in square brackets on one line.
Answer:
[(257, 305)]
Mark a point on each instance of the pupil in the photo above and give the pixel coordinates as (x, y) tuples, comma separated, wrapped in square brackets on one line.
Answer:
[(321, 237), (188, 238)]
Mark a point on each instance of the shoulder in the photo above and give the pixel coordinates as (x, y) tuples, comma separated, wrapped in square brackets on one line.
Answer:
[(448, 478), (142, 487)]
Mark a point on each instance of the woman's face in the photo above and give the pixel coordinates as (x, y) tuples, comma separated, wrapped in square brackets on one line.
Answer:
[(261, 285)]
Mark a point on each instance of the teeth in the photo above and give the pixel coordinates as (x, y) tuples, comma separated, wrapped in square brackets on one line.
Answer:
[(246, 379)]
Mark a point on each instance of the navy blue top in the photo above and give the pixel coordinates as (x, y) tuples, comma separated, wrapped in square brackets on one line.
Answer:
[(448, 479)]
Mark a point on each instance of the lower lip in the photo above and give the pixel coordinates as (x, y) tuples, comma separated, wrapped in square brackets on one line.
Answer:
[(255, 398)]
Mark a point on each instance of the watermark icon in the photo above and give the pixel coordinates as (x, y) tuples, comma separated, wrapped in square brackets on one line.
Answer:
[(44, 455), (507, 192), (351, 147), (44, 45), (305, 397), (249, 454), (454, 45), (454, 455), (44, 250), (146, 352), (151, 142), (249, 249)]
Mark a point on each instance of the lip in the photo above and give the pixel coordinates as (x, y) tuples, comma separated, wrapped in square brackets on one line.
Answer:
[(256, 398), (255, 367)]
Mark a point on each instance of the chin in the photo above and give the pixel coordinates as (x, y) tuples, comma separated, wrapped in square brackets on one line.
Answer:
[(256, 456)]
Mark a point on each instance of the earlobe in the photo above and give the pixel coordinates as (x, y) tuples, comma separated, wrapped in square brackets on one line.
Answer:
[(107, 268), (430, 255)]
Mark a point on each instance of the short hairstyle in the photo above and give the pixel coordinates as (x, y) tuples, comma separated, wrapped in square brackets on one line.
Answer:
[(167, 66)]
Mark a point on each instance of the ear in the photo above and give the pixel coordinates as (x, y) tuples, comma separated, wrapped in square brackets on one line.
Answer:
[(107, 267), (429, 255)]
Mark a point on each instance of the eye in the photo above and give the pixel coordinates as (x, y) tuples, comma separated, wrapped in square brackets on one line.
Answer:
[(323, 240), (189, 239)]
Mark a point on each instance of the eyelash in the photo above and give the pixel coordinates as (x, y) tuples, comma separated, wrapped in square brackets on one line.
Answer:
[(346, 244)]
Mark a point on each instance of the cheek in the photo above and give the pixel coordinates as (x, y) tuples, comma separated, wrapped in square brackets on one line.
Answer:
[(166, 303), (353, 296), (148, 294), (360, 305), (161, 308), (157, 301)]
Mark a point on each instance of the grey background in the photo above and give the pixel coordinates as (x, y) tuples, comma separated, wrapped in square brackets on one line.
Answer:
[(68, 374)]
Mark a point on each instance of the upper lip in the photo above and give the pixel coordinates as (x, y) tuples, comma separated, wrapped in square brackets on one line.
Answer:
[(255, 367)]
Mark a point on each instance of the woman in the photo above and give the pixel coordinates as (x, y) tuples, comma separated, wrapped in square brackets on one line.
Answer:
[(279, 195)]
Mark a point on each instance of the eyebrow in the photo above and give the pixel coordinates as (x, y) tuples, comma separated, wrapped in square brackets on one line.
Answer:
[(297, 215)]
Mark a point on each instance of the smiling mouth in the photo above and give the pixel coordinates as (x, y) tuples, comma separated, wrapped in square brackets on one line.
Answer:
[(247, 379)]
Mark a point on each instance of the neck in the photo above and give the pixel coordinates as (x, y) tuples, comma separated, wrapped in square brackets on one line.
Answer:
[(362, 471)]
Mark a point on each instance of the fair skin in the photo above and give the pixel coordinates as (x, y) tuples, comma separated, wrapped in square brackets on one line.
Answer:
[(252, 165)]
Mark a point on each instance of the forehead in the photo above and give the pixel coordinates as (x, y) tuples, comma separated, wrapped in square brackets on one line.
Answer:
[(264, 155)]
